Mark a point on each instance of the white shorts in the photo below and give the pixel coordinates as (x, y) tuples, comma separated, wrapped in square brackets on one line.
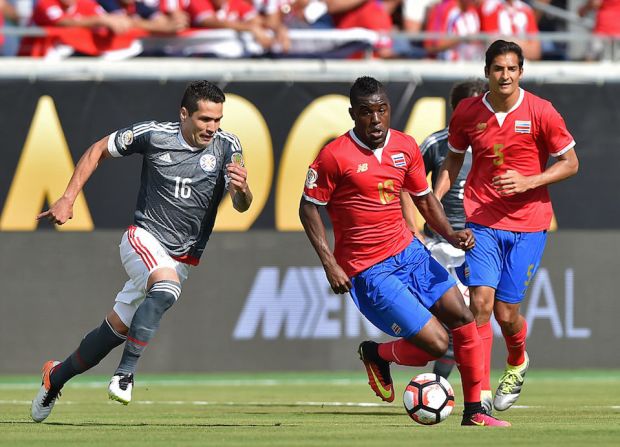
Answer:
[(450, 258), (141, 254)]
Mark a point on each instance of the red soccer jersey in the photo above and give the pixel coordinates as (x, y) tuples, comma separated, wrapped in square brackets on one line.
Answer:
[(49, 12), (508, 19), (608, 18), (520, 140), (361, 190), (232, 10)]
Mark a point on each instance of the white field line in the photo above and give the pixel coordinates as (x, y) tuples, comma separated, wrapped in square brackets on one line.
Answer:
[(236, 382), (244, 404)]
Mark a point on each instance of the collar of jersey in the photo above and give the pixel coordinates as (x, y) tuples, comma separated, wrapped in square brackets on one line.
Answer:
[(359, 142), (517, 104), (186, 145)]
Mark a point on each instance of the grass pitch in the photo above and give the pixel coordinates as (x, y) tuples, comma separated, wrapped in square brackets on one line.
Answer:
[(557, 408)]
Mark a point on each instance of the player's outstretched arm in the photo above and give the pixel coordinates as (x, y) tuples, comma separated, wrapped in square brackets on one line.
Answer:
[(315, 230), (448, 173), (238, 187), (433, 212), (62, 209), (511, 182)]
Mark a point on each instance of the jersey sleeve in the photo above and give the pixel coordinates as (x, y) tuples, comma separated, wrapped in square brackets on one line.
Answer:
[(415, 178), (458, 141), (321, 179), (130, 140), (556, 136)]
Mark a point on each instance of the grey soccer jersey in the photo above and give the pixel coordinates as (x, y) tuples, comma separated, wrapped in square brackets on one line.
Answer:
[(181, 187), (434, 151)]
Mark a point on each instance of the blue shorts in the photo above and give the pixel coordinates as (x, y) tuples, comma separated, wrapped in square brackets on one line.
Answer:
[(395, 294), (504, 260)]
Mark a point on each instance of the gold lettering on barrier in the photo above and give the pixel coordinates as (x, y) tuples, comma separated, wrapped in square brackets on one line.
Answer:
[(243, 119), (325, 118), (44, 169)]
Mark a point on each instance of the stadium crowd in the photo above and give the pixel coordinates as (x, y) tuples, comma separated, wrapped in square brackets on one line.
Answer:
[(99, 27)]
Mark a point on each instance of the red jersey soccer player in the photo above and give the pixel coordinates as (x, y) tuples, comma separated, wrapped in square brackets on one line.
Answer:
[(390, 275), (507, 206)]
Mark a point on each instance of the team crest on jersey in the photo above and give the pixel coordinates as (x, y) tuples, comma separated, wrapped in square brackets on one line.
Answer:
[(127, 138), (208, 162), (237, 158), (399, 160), (311, 178), (523, 126)]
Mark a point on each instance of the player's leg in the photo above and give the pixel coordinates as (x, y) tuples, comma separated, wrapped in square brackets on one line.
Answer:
[(482, 273), (520, 265), (163, 288), (92, 349), (383, 296), (481, 305), (161, 295), (451, 310)]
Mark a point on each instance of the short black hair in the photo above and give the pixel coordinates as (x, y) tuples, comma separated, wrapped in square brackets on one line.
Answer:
[(466, 89), (201, 90), (364, 87), (502, 47)]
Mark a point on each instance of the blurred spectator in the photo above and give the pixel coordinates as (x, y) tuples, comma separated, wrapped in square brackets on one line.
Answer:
[(415, 13), (70, 13), (145, 17), (272, 19), (6, 11), (456, 19), (607, 22), (511, 19), (368, 14), (306, 14), (548, 24), (237, 15)]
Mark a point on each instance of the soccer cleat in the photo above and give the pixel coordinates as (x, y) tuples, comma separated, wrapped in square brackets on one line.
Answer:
[(378, 370), (46, 397), (120, 388), (510, 385), (486, 400), (483, 419)]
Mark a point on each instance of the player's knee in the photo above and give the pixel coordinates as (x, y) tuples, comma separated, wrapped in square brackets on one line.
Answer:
[(439, 345), (163, 294)]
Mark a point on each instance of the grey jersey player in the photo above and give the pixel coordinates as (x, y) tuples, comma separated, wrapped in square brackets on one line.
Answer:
[(434, 150), (187, 166)]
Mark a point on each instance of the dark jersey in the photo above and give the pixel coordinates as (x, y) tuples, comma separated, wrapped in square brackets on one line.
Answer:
[(434, 151), (181, 186)]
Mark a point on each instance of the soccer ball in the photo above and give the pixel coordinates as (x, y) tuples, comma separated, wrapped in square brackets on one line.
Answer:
[(428, 399)]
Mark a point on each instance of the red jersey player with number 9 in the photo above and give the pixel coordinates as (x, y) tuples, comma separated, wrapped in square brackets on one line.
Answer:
[(390, 275), (512, 133)]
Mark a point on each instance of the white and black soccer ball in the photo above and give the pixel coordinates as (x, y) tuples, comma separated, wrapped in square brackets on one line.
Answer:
[(428, 399)]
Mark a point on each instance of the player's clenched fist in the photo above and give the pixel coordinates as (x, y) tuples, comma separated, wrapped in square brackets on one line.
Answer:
[(463, 239)]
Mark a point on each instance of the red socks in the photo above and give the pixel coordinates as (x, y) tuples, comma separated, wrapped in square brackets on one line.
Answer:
[(516, 345), (402, 352), (469, 358), (486, 335)]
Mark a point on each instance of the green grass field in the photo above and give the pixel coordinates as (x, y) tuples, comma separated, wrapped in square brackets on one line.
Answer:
[(558, 408)]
